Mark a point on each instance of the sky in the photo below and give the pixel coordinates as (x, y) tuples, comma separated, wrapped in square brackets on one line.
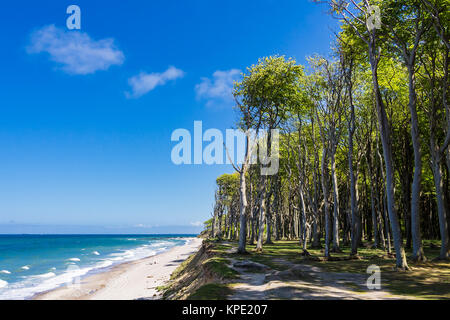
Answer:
[(86, 116)]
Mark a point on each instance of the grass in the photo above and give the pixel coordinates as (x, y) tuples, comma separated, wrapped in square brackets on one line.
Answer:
[(179, 270), (207, 265), (163, 288), (211, 291), (219, 266), (427, 280)]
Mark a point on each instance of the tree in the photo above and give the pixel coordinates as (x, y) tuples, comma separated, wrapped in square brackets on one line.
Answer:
[(330, 110), (347, 61), (407, 24), (268, 87), (246, 125), (352, 163), (356, 18), (434, 73)]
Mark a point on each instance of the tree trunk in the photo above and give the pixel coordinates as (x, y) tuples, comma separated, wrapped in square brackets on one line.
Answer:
[(243, 209), (387, 151), (262, 213), (303, 220), (268, 222), (336, 203), (443, 223), (324, 179), (372, 200), (353, 203), (418, 254)]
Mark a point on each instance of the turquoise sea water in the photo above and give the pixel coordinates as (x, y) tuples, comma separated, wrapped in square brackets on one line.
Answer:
[(31, 264)]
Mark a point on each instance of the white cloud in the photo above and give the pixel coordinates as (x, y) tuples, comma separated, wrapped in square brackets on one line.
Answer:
[(197, 224), (218, 90), (145, 226), (74, 51), (146, 82)]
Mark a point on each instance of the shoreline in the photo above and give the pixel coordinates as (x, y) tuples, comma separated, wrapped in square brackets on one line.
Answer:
[(127, 281)]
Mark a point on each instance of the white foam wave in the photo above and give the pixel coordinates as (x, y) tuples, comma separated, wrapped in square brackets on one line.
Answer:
[(25, 268), (5, 272), (46, 275), (104, 264), (141, 252), (96, 253), (31, 285), (74, 259), (35, 284), (3, 284)]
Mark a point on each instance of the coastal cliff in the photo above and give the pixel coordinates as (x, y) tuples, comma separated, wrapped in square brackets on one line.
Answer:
[(217, 272), (204, 275)]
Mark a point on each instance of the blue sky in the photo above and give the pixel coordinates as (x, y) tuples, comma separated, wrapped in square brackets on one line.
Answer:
[(86, 116)]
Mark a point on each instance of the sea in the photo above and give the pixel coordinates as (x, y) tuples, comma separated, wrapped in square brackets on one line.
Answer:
[(31, 264)]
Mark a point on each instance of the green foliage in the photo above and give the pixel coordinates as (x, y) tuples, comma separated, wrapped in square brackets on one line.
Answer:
[(311, 106), (208, 223), (269, 88)]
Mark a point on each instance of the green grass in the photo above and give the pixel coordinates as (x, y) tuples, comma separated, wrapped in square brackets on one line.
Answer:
[(281, 249), (179, 270), (219, 266), (163, 288), (429, 280), (212, 263), (211, 291)]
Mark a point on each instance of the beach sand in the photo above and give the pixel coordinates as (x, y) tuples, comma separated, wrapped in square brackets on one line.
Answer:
[(128, 281)]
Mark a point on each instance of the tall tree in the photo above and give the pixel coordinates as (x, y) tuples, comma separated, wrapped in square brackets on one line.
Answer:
[(407, 24), (270, 87), (361, 18)]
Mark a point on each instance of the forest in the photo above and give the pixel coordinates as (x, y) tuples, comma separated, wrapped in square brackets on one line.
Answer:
[(364, 139)]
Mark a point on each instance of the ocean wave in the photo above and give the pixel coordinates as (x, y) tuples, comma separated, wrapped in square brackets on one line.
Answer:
[(36, 284), (181, 238), (46, 275), (96, 253), (27, 286), (186, 240), (104, 264), (3, 283), (5, 272), (138, 253), (161, 244), (117, 259), (74, 259)]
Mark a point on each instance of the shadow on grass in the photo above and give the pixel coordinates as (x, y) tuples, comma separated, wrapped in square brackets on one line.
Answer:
[(428, 280), (212, 291)]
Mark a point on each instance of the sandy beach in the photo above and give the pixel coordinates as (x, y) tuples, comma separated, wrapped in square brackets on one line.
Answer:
[(128, 281)]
